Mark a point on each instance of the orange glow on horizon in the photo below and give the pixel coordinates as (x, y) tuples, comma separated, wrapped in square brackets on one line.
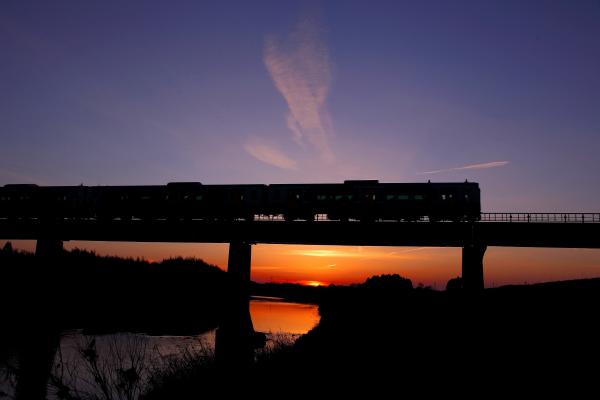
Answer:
[(343, 265), (313, 283)]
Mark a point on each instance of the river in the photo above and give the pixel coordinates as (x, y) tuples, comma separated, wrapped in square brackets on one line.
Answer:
[(281, 321)]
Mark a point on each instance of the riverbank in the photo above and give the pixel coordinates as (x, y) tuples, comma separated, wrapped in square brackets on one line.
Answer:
[(374, 339)]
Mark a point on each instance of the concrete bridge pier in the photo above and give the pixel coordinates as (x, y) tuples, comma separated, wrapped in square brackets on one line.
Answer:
[(39, 339), (235, 341), (472, 267), (48, 250)]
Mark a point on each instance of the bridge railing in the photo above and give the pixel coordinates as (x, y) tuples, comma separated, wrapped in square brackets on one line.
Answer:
[(542, 217)]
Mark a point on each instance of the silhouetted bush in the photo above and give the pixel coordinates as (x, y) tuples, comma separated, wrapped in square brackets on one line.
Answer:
[(388, 283), (454, 284)]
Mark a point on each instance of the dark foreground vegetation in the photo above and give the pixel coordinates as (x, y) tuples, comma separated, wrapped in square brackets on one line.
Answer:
[(386, 336), (382, 335), (108, 294)]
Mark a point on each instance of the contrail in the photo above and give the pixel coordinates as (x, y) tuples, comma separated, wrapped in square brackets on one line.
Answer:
[(492, 164)]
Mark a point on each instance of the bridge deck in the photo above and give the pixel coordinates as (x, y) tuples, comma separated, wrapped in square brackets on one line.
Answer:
[(444, 234)]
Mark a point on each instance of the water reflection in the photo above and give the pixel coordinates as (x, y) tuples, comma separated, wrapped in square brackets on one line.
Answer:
[(276, 316), (273, 316)]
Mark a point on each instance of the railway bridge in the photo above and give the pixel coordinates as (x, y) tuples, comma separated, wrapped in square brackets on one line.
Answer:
[(235, 336), (557, 230)]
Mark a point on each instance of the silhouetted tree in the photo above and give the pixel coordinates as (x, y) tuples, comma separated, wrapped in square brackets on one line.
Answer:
[(388, 282), (454, 284), (7, 248)]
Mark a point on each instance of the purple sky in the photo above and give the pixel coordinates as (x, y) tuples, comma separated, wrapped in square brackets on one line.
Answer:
[(503, 93)]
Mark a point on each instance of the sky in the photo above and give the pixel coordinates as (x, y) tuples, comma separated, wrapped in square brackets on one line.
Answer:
[(506, 94)]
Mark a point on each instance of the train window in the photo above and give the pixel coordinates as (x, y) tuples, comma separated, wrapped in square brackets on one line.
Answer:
[(321, 197), (350, 197), (449, 196), (466, 196), (241, 197), (418, 197), (389, 197), (402, 197), (443, 197), (373, 197), (199, 198), (145, 198), (297, 197), (339, 197)]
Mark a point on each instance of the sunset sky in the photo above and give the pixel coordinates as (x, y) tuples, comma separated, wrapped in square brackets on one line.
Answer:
[(506, 94)]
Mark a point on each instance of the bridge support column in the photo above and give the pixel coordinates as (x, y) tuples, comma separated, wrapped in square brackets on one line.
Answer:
[(48, 249), (40, 338), (472, 267), (236, 338)]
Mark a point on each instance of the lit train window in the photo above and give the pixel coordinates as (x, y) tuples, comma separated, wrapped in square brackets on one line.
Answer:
[(350, 197), (297, 197), (418, 197), (339, 197), (321, 197), (402, 197), (443, 197), (373, 197), (466, 196), (241, 197), (199, 198), (389, 197)]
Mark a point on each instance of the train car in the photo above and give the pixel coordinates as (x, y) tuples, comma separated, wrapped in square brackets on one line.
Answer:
[(63, 202), (369, 200), (44, 202), (300, 201), (454, 201), (187, 200), (372, 200), (19, 201), (129, 202), (230, 202)]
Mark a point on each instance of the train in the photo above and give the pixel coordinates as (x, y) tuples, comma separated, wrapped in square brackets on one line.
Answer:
[(361, 200)]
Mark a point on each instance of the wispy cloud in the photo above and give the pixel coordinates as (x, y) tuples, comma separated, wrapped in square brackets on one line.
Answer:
[(301, 72), (270, 155), (492, 164), (357, 253)]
